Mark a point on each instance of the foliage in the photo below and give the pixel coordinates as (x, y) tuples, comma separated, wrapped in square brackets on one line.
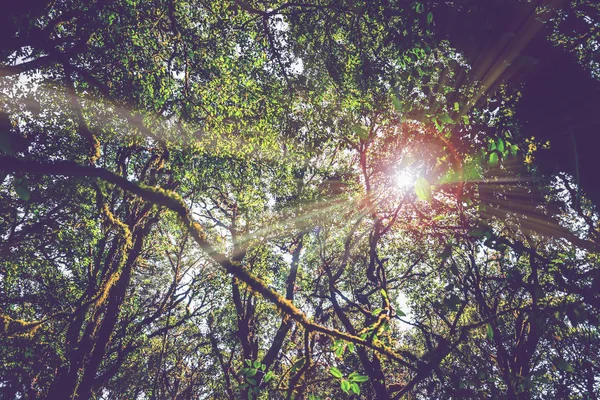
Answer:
[(279, 200)]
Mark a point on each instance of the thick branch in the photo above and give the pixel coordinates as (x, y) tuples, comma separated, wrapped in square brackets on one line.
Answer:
[(173, 201)]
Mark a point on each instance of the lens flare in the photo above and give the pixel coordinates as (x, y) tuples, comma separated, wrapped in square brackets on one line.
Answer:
[(405, 179)]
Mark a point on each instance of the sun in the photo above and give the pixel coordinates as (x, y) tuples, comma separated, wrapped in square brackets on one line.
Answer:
[(405, 178)]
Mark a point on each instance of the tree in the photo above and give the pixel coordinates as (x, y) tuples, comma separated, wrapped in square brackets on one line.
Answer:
[(242, 199)]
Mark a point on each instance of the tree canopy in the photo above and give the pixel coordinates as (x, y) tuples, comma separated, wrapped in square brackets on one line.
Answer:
[(279, 200)]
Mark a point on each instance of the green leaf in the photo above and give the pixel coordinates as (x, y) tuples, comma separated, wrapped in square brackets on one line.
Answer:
[(501, 145), (446, 119), (336, 344), (251, 381), (360, 131), (358, 378), (419, 7), (423, 189), (562, 365), (400, 313), (335, 372), (490, 332), (298, 364), (383, 293), (429, 18), (256, 364), (251, 372), (355, 389), (376, 311), (494, 158), (465, 119), (397, 103), (345, 385), (22, 189), (268, 376), (456, 106)]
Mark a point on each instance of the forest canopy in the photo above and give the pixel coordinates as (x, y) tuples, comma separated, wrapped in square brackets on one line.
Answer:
[(261, 199)]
